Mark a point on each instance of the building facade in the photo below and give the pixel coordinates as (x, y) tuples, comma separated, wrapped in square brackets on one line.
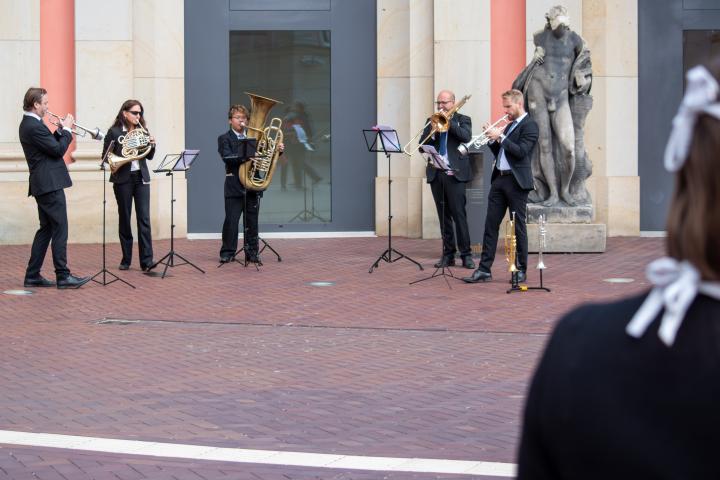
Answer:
[(338, 67)]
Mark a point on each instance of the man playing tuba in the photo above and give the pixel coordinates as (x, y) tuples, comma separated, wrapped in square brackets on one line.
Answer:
[(238, 199)]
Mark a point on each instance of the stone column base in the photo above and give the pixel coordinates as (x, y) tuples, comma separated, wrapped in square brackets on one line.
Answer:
[(568, 237)]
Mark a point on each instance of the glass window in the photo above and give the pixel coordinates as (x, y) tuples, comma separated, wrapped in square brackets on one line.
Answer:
[(292, 67), (699, 46)]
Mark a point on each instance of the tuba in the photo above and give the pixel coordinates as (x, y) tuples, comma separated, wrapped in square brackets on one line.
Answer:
[(135, 146), (256, 173)]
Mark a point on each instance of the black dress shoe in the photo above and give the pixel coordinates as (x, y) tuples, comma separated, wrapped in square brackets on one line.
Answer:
[(521, 276), (124, 266), (478, 276), (38, 281), (467, 262), (225, 258), (148, 266), (445, 262), (72, 282)]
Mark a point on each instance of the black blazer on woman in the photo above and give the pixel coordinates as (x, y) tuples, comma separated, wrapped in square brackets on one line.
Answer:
[(44, 153), (123, 174)]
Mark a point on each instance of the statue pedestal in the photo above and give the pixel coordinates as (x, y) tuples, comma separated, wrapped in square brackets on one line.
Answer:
[(567, 230)]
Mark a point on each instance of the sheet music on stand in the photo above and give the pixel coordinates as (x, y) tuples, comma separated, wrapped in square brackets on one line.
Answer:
[(432, 157), (177, 162), (386, 136)]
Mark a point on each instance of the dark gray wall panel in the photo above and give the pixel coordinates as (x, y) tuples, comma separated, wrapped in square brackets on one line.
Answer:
[(353, 89), (660, 90), (267, 5), (661, 25), (206, 102)]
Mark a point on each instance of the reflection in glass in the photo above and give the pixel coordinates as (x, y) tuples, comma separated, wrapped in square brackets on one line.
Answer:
[(293, 67), (699, 46)]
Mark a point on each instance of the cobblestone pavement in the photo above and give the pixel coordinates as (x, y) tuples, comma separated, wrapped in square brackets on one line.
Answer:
[(241, 358)]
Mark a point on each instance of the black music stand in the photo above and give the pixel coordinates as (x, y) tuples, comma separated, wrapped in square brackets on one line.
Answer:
[(104, 271), (382, 139), (434, 159), (175, 162)]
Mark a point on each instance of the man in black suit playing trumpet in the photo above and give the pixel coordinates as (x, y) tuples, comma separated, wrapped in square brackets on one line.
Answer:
[(49, 177), (510, 184)]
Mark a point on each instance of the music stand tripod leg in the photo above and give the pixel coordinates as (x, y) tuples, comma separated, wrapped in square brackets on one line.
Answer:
[(104, 271)]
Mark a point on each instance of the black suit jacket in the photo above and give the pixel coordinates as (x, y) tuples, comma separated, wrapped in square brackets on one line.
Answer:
[(519, 146), (44, 152), (228, 146), (606, 405), (460, 131), (123, 173)]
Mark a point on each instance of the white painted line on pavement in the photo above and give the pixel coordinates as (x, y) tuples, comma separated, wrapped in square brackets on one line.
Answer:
[(261, 457)]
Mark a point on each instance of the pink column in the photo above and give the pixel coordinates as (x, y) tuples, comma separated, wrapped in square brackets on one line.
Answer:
[(57, 57), (507, 48)]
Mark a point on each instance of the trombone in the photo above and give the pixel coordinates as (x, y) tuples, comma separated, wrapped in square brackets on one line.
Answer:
[(440, 122), (479, 140), (79, 130)]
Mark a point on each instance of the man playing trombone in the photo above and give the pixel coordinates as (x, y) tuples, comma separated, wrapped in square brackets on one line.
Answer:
[(448, 185), (510, 183), (48, 178)]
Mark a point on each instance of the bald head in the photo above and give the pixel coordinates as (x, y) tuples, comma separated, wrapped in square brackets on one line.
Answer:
[(445, 100)]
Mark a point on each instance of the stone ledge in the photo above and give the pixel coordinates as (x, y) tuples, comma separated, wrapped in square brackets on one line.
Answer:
[(569, 238), (560, 214)]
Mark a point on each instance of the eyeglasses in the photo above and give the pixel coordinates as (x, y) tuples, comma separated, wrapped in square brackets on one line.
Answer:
[(135, 112), (443, 103)]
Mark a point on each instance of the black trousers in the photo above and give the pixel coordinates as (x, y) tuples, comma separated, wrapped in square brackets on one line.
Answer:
[(505, 193), (52, 212), (449, 196), (234, 207), (125, 193)]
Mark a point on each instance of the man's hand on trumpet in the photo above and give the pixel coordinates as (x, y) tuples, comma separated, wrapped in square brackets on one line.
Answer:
[(494, 133), (67, 121)]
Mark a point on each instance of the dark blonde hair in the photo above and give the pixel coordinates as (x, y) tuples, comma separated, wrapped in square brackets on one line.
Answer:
[(515, 96), (238, 109), (32, 96), (693, 226)]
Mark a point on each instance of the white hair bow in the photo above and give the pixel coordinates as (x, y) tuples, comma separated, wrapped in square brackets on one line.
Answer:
[(676, 286), (700, 97)]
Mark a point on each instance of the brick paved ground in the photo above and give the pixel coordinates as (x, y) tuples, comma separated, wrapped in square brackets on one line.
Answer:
[(262, 360)]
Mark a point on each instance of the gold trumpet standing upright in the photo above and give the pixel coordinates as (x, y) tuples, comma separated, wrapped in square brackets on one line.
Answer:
[(440, 122), (256, 174)]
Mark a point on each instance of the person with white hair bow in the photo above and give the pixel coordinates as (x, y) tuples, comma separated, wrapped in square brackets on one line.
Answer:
[(631, 389)]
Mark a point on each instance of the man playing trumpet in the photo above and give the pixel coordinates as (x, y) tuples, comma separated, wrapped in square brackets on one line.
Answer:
[(510, 184), (49, 178)]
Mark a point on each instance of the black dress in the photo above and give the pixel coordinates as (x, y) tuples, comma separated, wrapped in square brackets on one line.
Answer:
[(605, 405)]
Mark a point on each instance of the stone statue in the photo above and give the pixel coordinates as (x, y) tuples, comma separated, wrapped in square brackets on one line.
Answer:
[(556, 84)]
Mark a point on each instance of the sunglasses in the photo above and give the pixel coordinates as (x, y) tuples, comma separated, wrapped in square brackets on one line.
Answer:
[(135, 112)]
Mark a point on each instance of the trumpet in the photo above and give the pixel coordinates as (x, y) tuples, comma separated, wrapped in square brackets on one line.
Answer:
[(479, 140), (440, 122), (542, 232), (79, 130)]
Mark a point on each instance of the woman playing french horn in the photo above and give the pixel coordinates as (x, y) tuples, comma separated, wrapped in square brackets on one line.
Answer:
[(131, 147)]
